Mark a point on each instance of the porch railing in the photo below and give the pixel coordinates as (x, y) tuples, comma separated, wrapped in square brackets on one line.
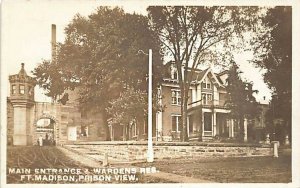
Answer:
[(208, 104)]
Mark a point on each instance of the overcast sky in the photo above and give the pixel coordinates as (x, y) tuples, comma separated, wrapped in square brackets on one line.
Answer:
[(26, 35)]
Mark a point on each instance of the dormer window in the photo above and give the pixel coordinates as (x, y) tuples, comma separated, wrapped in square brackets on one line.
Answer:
[(13, 89), (206, 84), (22, 89)]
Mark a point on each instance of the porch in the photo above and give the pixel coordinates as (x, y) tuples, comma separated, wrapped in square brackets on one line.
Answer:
[(206, 122)]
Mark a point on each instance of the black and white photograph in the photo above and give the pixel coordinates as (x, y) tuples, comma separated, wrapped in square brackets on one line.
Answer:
[(132, 93)]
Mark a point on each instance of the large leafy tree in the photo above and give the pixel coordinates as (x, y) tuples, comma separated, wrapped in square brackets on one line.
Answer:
[(194, 35), (100, 59), (276, 45), (130, 107), (241, 101)]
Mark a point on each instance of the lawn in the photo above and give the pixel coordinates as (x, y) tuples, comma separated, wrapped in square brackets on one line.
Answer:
[(232, 170), (246, 170)]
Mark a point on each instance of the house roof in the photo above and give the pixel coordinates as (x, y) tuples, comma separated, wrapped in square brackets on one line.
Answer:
[(199, 75), (222, 72)]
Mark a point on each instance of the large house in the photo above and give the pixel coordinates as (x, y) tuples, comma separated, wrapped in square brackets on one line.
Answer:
[(207, 111)]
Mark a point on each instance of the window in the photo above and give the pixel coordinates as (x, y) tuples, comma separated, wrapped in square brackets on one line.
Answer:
[(174, 75), (145, 127), (22, 89), (30, 90), (84, 130), (176, 123), (176, 97), (134, 130), (13, 89), (174, 72), (206, 84), (206, 98)]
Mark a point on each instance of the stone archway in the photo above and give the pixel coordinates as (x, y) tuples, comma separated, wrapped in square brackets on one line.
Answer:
[(46, 125)]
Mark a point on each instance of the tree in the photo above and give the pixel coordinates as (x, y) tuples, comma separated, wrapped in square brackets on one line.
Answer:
[(193, 35), (130, 106), (274, 53), (100, 59), (241, 101)]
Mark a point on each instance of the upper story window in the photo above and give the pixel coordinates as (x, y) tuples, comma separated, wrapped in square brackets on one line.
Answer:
[(30, 92), (176, 97), (174, 75), (22, 89), (174, 72), (206, 98), (206, 84), (13, 89)]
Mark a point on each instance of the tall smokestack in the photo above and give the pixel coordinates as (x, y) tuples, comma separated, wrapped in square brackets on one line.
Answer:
[(53, 41)]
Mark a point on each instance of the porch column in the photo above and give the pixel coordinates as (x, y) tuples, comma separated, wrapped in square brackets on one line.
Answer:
[(159, 118), (202, 123), (159, 126), (188, 126), (228, 122), (245, 129), (214, 124), (231, 128), (111, 133)]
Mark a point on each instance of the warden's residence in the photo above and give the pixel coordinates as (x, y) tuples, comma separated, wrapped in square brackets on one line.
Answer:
[(207, 112)]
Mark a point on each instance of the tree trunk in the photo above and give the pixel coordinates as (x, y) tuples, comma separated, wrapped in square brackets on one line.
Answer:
[(106, 128), (184, 136), (241, 124)]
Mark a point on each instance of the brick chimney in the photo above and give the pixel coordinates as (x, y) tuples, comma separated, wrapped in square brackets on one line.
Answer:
[(53, 41)]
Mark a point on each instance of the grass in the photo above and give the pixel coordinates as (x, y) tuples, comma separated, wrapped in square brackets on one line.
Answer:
[(232, 170), (243, 170)]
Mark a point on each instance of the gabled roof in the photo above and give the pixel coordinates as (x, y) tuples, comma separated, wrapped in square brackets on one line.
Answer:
[(217, 79), (199, 75)]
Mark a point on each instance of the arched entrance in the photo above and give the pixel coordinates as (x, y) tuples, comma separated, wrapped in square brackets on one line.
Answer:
[(46, 129)]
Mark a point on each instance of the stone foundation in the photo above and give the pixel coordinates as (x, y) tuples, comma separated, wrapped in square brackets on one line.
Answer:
[(137, 152)]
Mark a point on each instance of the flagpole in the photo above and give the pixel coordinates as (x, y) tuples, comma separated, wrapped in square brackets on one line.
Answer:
[(150, 155)]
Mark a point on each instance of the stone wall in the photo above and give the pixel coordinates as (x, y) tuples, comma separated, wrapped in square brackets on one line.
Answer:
[(136, 152)]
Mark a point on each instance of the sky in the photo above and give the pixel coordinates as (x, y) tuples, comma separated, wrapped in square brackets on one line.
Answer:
[(26, 36)]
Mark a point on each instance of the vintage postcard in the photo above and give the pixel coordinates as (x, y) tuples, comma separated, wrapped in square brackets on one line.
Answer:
[(142, 93)]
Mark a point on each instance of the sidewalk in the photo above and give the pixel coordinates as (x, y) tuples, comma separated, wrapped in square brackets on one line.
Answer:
[(91, 162)]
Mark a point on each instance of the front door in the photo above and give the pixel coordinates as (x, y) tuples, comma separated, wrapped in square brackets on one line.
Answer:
[(207, 124)]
